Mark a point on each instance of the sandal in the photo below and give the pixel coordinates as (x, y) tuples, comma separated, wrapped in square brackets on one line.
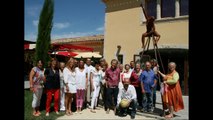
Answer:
[(35, 114), (70, 112), (38, 112), (67, 114), (169, 116), (93, 111)]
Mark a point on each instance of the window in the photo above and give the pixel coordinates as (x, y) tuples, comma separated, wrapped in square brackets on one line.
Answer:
[(120, 58), (167, 8), (184, 5), (143, 60), (151, 7), (137, 59)]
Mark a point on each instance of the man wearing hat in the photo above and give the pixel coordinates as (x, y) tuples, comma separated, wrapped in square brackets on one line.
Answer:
[(127, 97)]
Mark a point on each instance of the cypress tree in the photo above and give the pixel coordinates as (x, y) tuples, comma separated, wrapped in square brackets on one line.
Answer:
[(43, 41)]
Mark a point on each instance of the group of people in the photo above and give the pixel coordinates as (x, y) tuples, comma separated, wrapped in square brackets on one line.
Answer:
[(83, 83), (73, 80)]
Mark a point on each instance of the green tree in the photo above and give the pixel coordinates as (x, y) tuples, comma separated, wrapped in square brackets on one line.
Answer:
[(43, 41)]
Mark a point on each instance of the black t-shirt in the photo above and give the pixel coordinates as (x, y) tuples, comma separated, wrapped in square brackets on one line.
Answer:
[(52, 79)]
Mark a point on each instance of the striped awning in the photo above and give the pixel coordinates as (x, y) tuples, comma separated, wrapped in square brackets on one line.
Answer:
[(29, 46)]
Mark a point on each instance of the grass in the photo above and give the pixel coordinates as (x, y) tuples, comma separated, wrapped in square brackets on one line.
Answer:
[(28, 96)]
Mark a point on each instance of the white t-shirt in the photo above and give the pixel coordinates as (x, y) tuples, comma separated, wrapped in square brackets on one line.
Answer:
[(70, 78), (81, 78), (89, 68), (155, 69), (97, 76), (103, 81), (61, 79), (122, 76), (129, 94), (127, 74)]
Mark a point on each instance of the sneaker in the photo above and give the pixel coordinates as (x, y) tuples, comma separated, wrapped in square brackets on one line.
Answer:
[(47, 114), (149, 110), (152, 109), (121, 114), (62, 109), (132, 116), (57, 112), (143, 110)]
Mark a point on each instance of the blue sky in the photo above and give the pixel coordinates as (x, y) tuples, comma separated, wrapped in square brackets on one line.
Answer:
[(72, 18)]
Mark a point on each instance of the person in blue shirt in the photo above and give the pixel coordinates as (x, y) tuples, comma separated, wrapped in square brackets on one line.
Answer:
[(148, 82)]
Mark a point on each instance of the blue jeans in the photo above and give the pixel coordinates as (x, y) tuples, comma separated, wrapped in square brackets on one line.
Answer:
[(154, 96), (147, 101)]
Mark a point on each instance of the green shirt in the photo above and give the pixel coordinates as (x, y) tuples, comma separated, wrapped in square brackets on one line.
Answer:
[(174, 79)]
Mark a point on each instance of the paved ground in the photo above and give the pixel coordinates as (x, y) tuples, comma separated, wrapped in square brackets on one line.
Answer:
[(101, 114)]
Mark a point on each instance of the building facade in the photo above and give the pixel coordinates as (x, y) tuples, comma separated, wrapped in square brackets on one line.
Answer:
[(95, 42), (125, 24)]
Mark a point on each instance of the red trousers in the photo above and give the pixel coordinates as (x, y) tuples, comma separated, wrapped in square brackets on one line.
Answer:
[(49, 93)]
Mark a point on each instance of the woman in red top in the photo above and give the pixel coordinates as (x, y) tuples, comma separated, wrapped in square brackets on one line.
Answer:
[(136, 82)]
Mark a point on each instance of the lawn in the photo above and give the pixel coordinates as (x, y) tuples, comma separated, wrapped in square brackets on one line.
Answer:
[(28, 109)]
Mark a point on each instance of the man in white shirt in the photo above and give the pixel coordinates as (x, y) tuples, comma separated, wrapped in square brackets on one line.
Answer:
[(89, 68), (127, 92)]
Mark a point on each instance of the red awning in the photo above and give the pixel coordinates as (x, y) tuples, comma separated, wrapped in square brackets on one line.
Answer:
[(69, 47), (26, 46), (61, 47), (29, 46), (65, 53)]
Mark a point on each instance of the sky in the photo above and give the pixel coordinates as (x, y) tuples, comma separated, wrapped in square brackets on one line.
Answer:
[(72, 18)]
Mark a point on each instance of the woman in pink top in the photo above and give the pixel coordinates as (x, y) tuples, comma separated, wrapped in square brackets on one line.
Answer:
[(81, 85)]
